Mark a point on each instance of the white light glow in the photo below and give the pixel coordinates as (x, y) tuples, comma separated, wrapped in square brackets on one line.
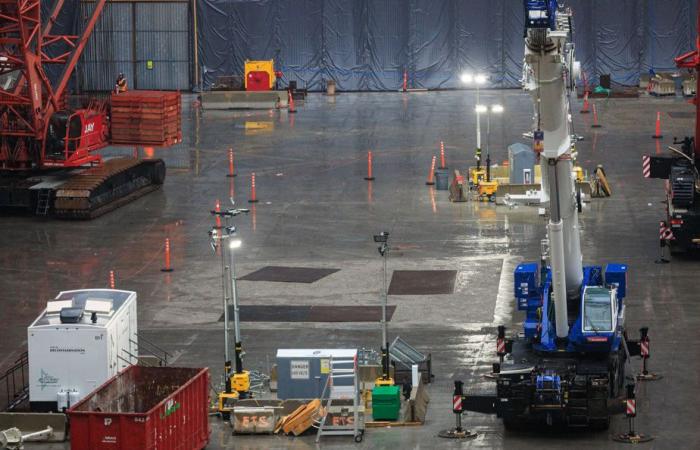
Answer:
[(234, 244), (480, 79), (481, 108), (466, 78), (497, 109)]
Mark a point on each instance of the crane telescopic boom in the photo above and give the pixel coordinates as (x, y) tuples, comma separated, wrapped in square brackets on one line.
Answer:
[(549, 71)]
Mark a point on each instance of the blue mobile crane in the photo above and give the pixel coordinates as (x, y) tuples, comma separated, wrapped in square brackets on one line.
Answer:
[(569, 363)]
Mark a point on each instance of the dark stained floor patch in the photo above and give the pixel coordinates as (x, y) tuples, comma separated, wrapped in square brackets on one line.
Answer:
[(681, 114), (285, 274), (422, 282), (307, 313)]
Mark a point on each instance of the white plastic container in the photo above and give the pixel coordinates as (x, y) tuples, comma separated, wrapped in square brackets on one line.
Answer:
[(79, 341)]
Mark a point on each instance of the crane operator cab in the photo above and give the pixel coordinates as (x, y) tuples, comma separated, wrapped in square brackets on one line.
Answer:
[(63, 135), (599, 318)]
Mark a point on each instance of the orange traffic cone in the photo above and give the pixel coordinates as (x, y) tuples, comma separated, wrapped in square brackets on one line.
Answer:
[(369, 176), (595, 118), (253, 196), (657, 133), (431, 174), (292, 109), (585, 109), (231, 171), (168, 267)]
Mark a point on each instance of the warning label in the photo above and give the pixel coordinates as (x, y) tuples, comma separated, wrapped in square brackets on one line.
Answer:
[(299, 369)]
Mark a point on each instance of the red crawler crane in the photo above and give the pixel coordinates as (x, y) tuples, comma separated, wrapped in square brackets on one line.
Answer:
[(30, 129), (48, 159)]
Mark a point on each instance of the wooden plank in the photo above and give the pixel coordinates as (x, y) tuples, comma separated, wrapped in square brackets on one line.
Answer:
[(382, 424)]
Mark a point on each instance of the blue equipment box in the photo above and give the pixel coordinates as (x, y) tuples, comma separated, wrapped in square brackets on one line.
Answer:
[(617, 274)]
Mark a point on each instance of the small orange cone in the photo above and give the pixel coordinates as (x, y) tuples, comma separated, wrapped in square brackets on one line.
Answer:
[(167, 267), (231, 171), (253, 196), (595, 118), (442, 155), (369, 176), (292, 109), (405, 80), (431, 174), (217, 208), (657, 133), (585, 109), (112, 284)]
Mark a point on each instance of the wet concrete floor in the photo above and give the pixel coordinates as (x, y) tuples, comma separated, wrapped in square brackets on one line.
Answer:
[(316, 210)]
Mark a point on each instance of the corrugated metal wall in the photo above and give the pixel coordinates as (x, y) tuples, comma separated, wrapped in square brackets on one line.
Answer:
[(128, 36)]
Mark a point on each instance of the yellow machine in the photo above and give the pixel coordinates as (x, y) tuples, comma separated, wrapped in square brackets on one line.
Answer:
[(237, 387), (384, 381), (477, 176), (578, 170), (260, 75), (487, 188)]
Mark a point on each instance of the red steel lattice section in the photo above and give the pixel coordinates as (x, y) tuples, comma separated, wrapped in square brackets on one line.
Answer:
[(28, 98)]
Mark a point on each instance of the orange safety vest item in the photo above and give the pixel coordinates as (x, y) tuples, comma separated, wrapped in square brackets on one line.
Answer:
[(122, 85)]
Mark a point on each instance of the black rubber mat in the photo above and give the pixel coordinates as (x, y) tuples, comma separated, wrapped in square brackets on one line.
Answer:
[(306, 313), (681, 114), (285, 274), (422, 282)]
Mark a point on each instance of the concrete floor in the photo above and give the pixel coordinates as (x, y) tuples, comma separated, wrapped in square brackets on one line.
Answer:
[(316, 210)]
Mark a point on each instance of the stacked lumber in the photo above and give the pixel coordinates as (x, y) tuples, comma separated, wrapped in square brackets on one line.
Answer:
[(148, 118), (300, 420)]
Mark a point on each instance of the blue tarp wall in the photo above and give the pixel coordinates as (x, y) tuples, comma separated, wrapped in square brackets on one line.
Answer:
[(367, 44)]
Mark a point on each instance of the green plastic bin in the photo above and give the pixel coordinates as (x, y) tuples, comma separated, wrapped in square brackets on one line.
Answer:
[(386, 402)]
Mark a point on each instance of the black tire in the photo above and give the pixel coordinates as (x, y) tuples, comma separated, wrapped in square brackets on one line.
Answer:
[(358, 438)]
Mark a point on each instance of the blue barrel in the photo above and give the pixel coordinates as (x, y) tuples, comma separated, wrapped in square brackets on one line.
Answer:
[(442, 178)]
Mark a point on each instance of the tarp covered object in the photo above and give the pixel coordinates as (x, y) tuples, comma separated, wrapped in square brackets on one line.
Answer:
[(368, 44)]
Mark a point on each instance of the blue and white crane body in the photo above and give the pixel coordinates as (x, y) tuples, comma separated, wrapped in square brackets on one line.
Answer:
[(569, 363)]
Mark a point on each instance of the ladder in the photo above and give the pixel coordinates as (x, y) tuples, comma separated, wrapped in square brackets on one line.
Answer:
[(43, 202), (345, 368)]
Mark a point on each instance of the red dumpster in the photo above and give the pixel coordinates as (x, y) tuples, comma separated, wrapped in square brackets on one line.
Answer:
[(144, 408)]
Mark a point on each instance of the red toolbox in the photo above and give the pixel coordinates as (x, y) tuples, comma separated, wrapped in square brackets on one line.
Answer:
[(144, 408)]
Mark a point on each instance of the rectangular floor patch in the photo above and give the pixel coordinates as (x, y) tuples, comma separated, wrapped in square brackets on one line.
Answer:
[(307, 313), (681, 114), (285, 274), (422, 282)]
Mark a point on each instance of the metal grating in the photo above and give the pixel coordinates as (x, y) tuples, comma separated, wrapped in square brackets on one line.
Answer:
[(422, 282), (308, 313), (284, 274)]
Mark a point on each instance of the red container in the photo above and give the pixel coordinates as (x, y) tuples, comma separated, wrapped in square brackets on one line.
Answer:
[(144, 408)]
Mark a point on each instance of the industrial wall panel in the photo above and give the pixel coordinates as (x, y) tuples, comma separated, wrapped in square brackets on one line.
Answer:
[(164, 76), (108, 51), (147, 41), (162, 46)]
